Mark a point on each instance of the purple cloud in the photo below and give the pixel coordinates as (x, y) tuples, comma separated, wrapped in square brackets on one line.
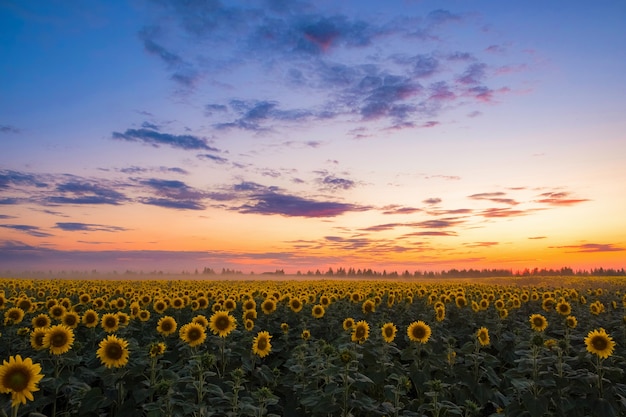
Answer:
[(156, 139), (87, 227), (30, 230), (89, 193), (293, 206), (592, 248)]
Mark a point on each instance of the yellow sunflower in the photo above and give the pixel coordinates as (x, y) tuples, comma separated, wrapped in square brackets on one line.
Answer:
[(166, 325), (348, 323), (599, 343), (58, 339), (20, 379), (42, 320), (36, 338), (144, 315), (360, 331), (571, 322), (440, 313), (261, 344), (538, 322), (284, 327), (563, 308), (229, 304), (483, 336), (90, 318), (110, 322), (113, 352), (57, 311), (460, 301), (295, 304), (193, 334), (221, 323), (201, 320), (249, 315), (369, 306), (159, 306), (157, 349), (70, 319), (306, 334), (268, 306), (248, 324), (14, 315), (318, 311), (418, 331), (389, 332)]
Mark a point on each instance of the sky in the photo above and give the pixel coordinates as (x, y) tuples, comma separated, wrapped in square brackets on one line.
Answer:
[(171, 135)]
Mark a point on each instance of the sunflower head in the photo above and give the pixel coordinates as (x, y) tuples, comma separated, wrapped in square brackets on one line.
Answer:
[(268, 306), (166, 325), (222, 324), (318, 311), (538, 322), (348, 323), (110, 322), (483, 336), (157, 349), (58, 339), (563, 308), (36, 338), (261, 344), (360, 331), (20, 378), (600, 343), (418, 331), (306, 334), (193, 334), (389, 332), (113, 352), (369, 306), (42, 320)]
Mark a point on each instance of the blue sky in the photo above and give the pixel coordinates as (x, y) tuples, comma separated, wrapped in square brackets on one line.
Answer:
[(297, 135)]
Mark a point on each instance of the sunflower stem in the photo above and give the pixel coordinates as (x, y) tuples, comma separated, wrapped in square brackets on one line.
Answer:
[(600, 371), (14, 410)]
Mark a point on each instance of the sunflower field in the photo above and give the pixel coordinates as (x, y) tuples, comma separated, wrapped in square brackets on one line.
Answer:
[(313, 348)]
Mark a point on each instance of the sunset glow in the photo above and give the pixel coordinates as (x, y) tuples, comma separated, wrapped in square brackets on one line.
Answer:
[(404, 135)]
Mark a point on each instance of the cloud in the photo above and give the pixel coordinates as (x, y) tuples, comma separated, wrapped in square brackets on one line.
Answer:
[(400, 210), (82, 192), (293, 206), (156, 139), (426, 224), (481, 244), (496, 197), (333, 183), (172, 194), (87, 227), (591, 248), (14, 178), (9, 129), (504, 212), (432, 233), (173, 204), (537, 237), (432, 201), (164, 170), (214, 158), (559, 199), (254, 114), (30, 230)]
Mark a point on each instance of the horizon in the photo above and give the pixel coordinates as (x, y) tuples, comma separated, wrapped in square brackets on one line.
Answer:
[(266, 135)]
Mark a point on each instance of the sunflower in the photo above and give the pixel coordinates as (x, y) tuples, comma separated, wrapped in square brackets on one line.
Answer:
[(389, 332), (57, 311), (360, 331), (71, 319), (418, 331), (193, 334), (42, 320), (157, 349), (229, 304), (348, 323), (84, 298), (599, 343), (284, 327), (36, 338), (201, 320), (306, 334), (19, 378), (475, 307), (178, 303), (159, 306), (166, 325), (268, 306), (318, 311), (90, 318), (538, 322), (110, 322), (144, 315), (499, 304), (248, 324), (113, 352), (571, 322), (440, 313), (295, 304), (14, 315), (221, 323), (249, 315), (369, 306), (563, 308), (504, 313), (261, 344), (460, 301), (249, 304), (483, 336), (58, 339)]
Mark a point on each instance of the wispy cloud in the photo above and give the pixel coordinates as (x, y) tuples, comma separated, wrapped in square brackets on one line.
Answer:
[(591, 248), (294, 206), (156, 139), (28, 229), (87, 227), (559, 199), (172, 194), (83, 192), (495, 197), (9, 129)]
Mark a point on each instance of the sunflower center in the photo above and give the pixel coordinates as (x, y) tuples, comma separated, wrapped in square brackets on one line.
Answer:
[(41, 322), (538, 322), (419, 332), (110, 322), (17, 380), (222, 323), (58, 339), (166, 326), (39, 339), (360, 332), (194, 334), (70, 320), (599, 343), (261, 343), (90, 318), (114, 351)]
